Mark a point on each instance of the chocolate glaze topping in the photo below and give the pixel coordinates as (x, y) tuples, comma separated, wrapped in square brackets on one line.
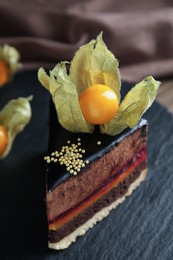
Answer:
[(58, 137)]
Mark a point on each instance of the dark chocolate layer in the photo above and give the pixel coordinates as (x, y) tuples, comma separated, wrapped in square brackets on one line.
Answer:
[(116, 192), (59, 137)]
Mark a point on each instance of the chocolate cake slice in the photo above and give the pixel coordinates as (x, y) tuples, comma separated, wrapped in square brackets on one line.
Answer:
[(111, 167), (97, 140)]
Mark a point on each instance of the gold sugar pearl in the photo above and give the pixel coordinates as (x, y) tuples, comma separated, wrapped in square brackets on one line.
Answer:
[(70, 156)]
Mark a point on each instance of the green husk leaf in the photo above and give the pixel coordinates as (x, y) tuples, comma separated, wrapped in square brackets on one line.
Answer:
[(65, 98), (43, 78), (15, 115), (133, 106), (92, 64)]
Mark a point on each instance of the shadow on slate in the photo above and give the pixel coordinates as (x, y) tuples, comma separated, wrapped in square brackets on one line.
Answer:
[(140, 228)]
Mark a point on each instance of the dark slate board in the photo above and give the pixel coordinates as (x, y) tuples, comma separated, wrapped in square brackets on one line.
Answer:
[(140, 228)]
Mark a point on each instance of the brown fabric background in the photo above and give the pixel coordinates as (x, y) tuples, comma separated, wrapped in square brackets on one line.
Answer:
[(139, 33)]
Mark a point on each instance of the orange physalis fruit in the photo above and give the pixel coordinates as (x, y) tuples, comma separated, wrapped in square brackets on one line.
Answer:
[(99, 104), (3, 139), (4, 72)]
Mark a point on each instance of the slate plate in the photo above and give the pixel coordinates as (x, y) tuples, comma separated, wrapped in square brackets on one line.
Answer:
[(140, 228)]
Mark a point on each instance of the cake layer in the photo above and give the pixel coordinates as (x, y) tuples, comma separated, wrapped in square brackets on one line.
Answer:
[(76, 188), (64, 236)]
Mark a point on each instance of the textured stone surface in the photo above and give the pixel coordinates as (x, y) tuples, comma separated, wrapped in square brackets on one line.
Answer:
[(140, 228)]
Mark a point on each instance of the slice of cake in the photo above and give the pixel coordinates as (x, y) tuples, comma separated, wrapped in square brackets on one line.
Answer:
[(97, 144), (113, 168)]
